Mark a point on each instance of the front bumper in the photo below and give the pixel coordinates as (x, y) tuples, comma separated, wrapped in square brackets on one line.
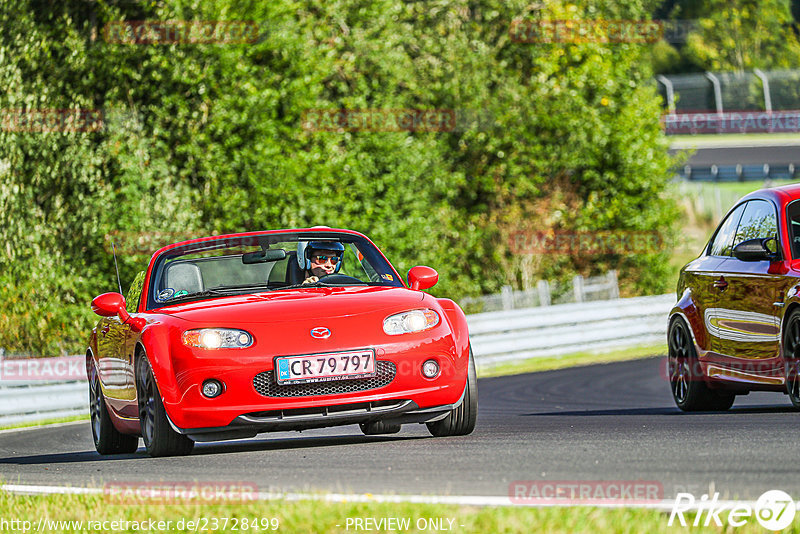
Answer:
[(245, 393), (391, 412)]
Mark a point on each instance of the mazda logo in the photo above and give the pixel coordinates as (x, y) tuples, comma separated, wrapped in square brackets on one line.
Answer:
[(320, 332)]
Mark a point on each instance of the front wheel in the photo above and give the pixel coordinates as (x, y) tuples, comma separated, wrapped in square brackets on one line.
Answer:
[(159, 438), (107, 439), (461, 421), (686, 379)]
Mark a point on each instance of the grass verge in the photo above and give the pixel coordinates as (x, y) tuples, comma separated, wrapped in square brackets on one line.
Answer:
[(95, 513), (550, 363), (45, 422)]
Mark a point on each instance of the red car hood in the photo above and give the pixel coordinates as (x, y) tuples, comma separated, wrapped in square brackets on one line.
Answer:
[(292, 305)]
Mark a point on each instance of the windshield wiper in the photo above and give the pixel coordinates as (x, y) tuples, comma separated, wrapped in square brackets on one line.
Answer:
[(218, 291), (320, 283), (240, 286), (214, 292)]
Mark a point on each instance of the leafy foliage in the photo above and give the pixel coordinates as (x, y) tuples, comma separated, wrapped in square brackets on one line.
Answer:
[(210, 138)]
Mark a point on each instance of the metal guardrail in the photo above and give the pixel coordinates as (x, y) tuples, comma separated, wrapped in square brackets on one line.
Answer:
[(31, 401), (496, 337), (546, 293), (504, 336)]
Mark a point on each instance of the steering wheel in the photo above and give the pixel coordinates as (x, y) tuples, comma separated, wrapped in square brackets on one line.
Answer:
[(336, 278)]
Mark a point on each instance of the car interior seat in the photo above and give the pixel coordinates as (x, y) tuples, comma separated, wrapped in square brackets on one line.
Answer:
[(184, 276), (294, 274)]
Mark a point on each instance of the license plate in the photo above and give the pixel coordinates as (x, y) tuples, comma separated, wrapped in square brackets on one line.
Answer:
[(325, 367)]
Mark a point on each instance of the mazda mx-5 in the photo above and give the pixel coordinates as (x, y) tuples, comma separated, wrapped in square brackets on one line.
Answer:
[(229, 336)]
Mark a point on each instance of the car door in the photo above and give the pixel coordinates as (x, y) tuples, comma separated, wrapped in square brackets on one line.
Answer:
[(117, 357), (705, 281), (747, 318)]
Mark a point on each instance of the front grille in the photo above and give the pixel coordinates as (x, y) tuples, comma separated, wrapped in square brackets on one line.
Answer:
[(266, 384)]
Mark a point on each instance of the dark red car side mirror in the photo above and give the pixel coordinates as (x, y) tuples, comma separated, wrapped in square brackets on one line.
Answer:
[(111, 304), (422, 277)]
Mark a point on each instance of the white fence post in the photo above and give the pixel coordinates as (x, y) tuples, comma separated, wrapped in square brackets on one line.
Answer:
[(543, 287), (577, 287), (508, 297), (614, 283)]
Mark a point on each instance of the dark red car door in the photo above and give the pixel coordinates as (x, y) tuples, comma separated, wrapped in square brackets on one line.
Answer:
[(747, 313)]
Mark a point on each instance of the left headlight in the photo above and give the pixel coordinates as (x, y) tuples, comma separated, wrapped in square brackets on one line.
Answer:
[(217, 338), (410, 321)]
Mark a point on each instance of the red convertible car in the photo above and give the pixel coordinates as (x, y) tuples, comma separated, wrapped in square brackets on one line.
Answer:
[(229, 336), (736, 325)]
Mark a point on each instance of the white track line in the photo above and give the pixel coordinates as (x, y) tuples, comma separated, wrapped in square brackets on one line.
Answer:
[(665, 505)]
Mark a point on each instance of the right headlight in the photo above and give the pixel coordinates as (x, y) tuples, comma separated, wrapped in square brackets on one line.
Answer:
[(217, 338), (410, 321)]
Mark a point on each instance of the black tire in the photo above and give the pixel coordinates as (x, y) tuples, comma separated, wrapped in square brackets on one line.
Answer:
[(791, 357), (107, 439), (461, 421), (689, 389), (159, 438), (376, 428)]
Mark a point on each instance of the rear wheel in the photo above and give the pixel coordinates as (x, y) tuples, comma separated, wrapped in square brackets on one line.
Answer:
[(686, 379), (461, 421), (159, 438), (107, 439), (791, 356)]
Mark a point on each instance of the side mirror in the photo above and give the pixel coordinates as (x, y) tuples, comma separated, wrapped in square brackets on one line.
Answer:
[(422, 277), (759, 249), (111, 304), (108, 304)]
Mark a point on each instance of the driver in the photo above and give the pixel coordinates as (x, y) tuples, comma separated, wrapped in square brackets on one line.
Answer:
[(321, 259)]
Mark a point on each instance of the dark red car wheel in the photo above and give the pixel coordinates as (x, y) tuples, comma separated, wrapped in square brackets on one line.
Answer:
[(791, 356), (686, 379)]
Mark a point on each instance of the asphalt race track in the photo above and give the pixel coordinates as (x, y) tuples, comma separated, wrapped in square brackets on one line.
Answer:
[(602, 422)]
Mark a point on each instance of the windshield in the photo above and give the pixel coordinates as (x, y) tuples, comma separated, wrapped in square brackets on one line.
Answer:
[(267, 262)]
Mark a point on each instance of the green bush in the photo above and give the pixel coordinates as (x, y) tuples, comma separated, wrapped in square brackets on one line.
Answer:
[(209, 138)]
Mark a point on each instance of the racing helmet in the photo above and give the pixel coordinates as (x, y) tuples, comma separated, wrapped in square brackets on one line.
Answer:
[(304, 249)]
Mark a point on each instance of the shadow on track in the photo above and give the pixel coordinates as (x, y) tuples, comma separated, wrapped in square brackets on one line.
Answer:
[(664, 411), (203, 449)]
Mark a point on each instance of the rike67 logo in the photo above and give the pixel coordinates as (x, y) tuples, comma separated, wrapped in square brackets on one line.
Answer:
[(774, 510)]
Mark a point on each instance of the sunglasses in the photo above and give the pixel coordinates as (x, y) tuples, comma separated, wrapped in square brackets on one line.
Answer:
[(322, 259)]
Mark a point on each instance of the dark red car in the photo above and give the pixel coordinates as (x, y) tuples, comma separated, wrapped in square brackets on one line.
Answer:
[(736, 325), (226, 337)]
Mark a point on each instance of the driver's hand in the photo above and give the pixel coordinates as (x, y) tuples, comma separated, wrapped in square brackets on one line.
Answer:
[(311, 280)]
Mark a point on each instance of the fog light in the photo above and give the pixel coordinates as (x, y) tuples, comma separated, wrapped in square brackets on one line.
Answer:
[(430, 369), (212, 388)]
